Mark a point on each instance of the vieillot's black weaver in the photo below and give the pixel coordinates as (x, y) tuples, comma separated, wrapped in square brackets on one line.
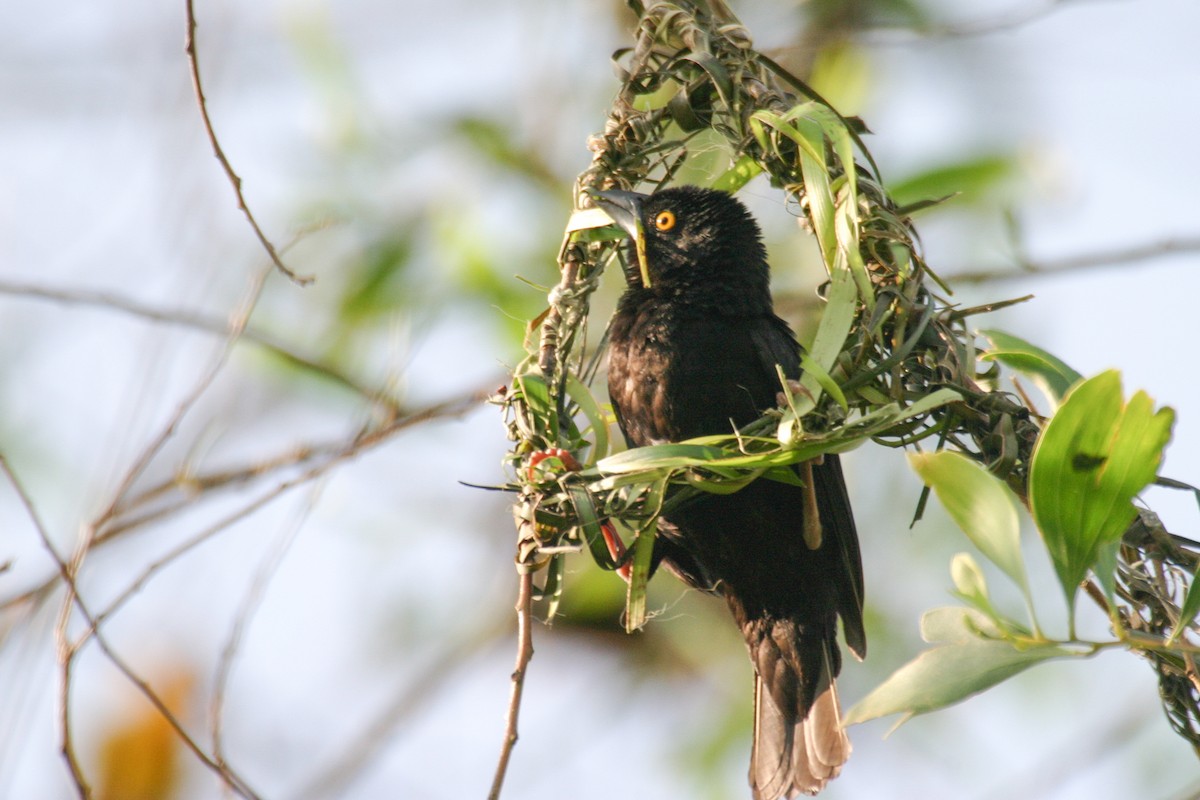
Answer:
[(693, 348)]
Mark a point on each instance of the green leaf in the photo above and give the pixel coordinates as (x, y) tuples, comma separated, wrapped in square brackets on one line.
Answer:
[(951, 672), (1052, 375), (717, 73), (957, 625), (824, 380), (590, 525), (817, 191), (1189, 609), (970, 585), (969, 178), (1091, 460), (598, 427), (659, 456), (738, 175), (981, 505), (643, 549), (537, 397), (552, 589), (836, 322)]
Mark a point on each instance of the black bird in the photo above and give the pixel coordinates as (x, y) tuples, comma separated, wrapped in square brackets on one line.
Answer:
[(694, 345)]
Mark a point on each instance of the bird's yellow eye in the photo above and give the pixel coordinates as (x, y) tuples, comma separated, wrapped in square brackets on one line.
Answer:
[(664, 221)]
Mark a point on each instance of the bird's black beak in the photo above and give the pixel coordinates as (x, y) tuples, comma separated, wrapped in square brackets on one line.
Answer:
[(625, 208)]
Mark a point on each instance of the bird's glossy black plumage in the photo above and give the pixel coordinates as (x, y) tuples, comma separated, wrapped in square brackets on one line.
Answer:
[(695, 353)]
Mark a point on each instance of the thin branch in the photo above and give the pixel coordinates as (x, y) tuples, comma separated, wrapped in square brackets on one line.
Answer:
[(68, 651), (234, 179), (524, 654), (236, 326), (1016, 18), (1026, 268), (221, 769), (200, 485), (208, 323), (335, 453)]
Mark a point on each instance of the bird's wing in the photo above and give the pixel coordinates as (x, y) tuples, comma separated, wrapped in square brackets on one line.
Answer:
[(775, 344), (837, 523)]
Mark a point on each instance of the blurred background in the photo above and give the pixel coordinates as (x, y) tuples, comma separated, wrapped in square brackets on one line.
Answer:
[(331, 614)]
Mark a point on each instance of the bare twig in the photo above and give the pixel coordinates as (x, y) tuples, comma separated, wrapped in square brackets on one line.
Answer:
[(1001, 23), (236, 326), (234, 781), (1026, 268), (333, 457), (524, 654), (234, 179), (198, 485), (68, 652), (196, 320), (333, 453)]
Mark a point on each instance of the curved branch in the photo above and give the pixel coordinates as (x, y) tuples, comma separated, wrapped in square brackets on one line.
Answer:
[(234, 179)]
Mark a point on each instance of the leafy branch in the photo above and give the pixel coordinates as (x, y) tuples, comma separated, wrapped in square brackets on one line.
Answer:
[(892, 362)]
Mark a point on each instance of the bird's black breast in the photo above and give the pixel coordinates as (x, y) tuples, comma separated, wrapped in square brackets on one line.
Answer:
[(677, 373)]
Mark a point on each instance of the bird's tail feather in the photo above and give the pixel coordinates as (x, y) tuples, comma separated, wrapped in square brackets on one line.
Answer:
[(789, 759)]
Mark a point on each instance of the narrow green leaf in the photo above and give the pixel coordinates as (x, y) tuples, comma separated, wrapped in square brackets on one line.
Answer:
[(971, 178), (552, 589), (836, 322), (817, 192), (643, 549), (537, 398), (730, 485), (850, 252), (717, 73), (824, 380), (783, 125), (738, 175), (1052, 375), (595, 417), (590, 526), (670, 456), (981, 505), (1189, 609)]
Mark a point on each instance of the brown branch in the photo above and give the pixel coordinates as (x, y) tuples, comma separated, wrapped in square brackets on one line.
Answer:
[(334, 453), (524, 654), (68, 652), (236, 326), (334, 457), (231, 779), (234, 179), (197, 486), (1026, 268), (195, 320)]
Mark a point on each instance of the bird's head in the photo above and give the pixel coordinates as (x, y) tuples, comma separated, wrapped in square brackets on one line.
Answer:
[(689, 235)]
